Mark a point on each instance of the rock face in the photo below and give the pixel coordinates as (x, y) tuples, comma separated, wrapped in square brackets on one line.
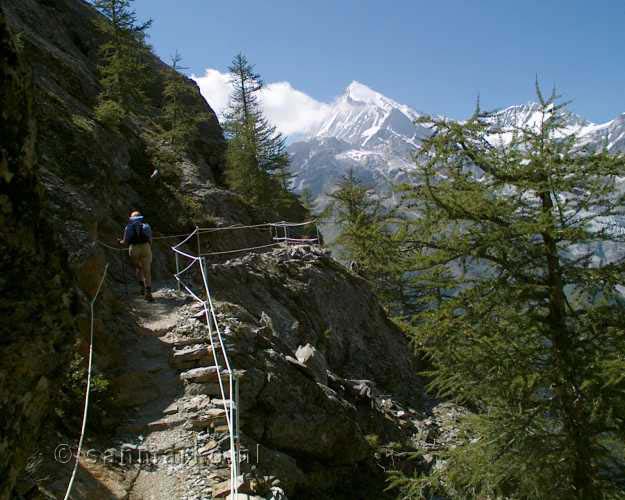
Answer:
[(316, 352), (311, 299), (94, 176), (36, 299)]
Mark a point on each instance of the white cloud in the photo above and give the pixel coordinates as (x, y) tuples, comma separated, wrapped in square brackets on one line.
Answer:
[(293, 112), (215, 87)]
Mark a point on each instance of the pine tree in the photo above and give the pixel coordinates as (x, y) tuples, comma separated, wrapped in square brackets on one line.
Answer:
[(122, 70), (178, 121), (523, 324), (369, 238), (255, 149)]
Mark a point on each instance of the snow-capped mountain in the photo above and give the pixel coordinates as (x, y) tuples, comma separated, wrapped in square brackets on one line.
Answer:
[(377, 137), (365, 131)]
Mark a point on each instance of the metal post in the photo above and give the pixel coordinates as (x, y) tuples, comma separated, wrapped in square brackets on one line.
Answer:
[(177, 271), (318, 237), (234, 455), (286, 238), (237, 427), (199, 248)]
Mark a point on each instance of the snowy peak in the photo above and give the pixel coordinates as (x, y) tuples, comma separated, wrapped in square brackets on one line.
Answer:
[(610, 134), (365, 118), (524, 115), (359, 93)]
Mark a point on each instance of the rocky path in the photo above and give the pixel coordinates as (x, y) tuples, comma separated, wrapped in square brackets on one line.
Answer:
[(176, 442)]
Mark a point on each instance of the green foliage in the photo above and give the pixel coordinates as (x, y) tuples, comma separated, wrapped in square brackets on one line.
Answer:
[(73, 393), (165, 160), (520, 321), (256, 159), (110, 113), (123, 71), (83, 123), (178, 120), (369, 237), (373, 440)]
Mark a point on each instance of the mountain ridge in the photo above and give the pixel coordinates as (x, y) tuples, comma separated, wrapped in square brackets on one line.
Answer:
[(376, 137)]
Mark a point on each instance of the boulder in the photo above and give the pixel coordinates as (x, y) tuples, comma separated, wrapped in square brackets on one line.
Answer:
[(315, 361)]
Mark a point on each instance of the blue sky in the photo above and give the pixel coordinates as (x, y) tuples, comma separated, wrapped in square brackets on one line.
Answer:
[(433, 56)]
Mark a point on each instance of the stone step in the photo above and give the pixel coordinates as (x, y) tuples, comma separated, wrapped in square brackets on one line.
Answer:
[(209, 417), (220, 403), (222, 490), (182, 342), (221, 429), (209, 447), (164, 423), (207, 389), (191, 355), (204, 374)]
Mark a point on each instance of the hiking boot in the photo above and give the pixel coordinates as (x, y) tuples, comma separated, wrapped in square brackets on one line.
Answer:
[(148, 294)]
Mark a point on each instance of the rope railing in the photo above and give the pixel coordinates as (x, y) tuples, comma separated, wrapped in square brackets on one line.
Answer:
[(88, 391), (248, 249), (283, 236)]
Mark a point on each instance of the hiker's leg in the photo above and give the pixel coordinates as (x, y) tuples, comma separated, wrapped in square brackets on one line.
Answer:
[(135, 258), (140, 273), (146, 264)]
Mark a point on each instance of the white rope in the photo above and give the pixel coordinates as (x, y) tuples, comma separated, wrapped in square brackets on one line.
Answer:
[(292, 224), (84, 416), (235, 226), (210, 332), (186, 268), (112, 248), (296, 240), (188, 255), (239, 250), (169, 236), (175, 247), (189, 290), (228, 403), (252, 226)]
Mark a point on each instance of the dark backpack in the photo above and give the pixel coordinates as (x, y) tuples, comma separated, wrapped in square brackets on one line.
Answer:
[(136, 235)]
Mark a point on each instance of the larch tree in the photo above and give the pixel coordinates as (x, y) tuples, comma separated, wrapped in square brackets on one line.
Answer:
[(256, 160), (122, 67), (178, 120), (523, 323), (368, 236)]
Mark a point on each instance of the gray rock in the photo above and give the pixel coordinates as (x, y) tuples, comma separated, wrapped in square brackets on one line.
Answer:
[(315, 360)]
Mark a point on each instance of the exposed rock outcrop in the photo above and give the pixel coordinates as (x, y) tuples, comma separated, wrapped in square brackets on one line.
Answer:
[(311, 299), (36, 299)]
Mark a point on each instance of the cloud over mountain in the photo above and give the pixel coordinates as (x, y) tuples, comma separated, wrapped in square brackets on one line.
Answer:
[(293, 112)]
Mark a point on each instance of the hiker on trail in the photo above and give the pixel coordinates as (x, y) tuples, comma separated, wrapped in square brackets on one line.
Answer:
[(138, 235)]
